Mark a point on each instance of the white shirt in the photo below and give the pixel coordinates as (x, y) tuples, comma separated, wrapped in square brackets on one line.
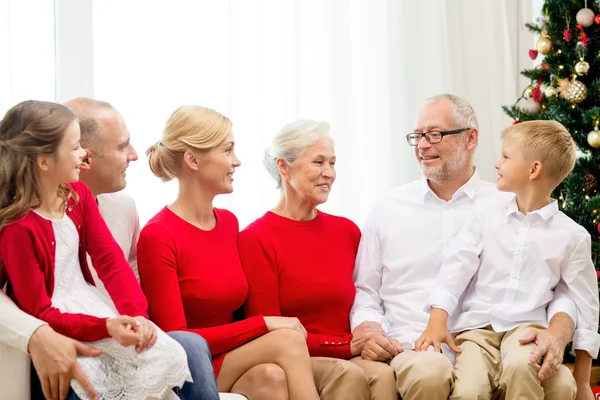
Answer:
[(405, 239), (506, 265), (17, 327)]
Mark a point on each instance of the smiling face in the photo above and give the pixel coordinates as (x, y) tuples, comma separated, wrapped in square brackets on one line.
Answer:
[(312, 175), (449, 157), (111, 160), (64, 166), (513, 167), (216, 168)]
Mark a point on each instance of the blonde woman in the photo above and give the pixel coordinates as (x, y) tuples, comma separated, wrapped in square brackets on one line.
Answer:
[(191, 272)]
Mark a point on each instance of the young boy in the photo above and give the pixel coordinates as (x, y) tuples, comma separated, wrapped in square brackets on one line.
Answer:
[(502, 272)]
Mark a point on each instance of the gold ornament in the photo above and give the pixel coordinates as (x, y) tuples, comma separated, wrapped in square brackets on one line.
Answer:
[(582, 68), (550, 92), (594, 138), (544, 44), (573, 90), (528, 92)]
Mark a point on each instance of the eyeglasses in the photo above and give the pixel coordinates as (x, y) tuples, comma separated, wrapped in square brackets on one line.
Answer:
[(432, 137)]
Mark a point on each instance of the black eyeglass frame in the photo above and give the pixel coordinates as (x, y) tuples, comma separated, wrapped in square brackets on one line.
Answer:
[(428, 136)]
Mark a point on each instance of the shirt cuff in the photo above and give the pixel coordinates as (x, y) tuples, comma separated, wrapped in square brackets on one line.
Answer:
[(588, 341), (443, 299), (563, 305)]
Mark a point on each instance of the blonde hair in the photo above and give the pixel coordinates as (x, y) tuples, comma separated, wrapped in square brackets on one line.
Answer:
[(193, 128), (29, 130), (290, 141), (547, 141)]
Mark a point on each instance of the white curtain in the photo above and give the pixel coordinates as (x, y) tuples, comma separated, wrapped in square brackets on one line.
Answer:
[(363, 66), (26, 52)]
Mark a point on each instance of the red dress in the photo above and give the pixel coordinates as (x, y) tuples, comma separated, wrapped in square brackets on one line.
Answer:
[(303, 269), (194, 281)]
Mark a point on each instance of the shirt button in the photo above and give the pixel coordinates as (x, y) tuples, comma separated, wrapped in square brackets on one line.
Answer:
[(326, 342)]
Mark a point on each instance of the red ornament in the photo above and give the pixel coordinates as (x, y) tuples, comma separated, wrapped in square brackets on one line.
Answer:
[(536, 93), (544, 67), (597, 19), (518, 122), (567, 35), (596, 393), (582, 36), (534, 53), (597, 274)]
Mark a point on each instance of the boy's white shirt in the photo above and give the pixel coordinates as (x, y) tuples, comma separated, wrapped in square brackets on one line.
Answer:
[(503, 267), (405, 239), (16, 327)]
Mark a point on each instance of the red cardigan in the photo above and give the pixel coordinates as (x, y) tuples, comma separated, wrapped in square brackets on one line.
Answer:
[(27, 249), (194, 280), (303, 269)]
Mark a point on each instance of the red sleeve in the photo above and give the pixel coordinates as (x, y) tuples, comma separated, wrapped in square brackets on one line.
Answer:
[(263, 296), (157, 265), (17, 246), (108, 260)]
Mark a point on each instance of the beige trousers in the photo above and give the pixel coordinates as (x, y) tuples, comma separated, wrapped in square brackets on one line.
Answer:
[(424, 375), (355, 379), (493, 362)]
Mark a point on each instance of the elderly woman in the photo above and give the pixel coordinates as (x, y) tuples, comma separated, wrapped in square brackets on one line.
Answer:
[(299, 263)]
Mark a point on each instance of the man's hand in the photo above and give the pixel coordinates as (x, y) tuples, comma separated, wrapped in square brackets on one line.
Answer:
[(54, 357), (362, 333), (380, 348), (550, 345)]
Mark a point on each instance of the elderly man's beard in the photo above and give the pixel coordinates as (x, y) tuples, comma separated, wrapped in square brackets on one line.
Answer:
[(448, 169)]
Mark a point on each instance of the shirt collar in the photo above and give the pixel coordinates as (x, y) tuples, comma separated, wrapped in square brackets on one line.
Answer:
[(469, 188), (545, 212)]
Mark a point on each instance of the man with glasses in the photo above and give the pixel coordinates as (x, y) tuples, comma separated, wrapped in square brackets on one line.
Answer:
[(402, 248)]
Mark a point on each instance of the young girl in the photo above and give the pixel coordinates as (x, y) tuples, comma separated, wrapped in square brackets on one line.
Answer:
[(48, 222)]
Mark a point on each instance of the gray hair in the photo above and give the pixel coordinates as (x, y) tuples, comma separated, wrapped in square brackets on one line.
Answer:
[(464, 115), (86, 110), (290, 141)]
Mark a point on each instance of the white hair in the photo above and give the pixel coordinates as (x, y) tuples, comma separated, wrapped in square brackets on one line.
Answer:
[(290, 141), (464, 115)]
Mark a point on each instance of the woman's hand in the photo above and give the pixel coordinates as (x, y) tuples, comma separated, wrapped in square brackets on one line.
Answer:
[(121, 329), (274, 323), (147, 333)]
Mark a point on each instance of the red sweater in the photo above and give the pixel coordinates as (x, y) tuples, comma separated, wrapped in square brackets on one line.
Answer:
[(303, 269), (194, 280), (27, 249)]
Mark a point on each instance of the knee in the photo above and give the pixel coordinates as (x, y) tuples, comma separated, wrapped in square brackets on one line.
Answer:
[(194, 345), (350, 373), (268, 379), (562, 386), (288, 343), (516, 365), (432, 369), (380, 372)]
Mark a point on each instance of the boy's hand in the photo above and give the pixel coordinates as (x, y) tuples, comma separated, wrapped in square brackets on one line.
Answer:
[(436, 333)]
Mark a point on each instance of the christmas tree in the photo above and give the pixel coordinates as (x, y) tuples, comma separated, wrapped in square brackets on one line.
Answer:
[(565, 86)]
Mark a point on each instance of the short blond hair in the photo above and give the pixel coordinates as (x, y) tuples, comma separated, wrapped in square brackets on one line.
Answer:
[(546, 141), (193, 128)]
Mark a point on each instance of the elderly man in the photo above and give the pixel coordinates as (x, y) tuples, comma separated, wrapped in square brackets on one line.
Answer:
[(404, 241)]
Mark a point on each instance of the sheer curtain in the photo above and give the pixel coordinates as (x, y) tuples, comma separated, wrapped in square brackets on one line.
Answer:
[(363, 66), (26, 52)]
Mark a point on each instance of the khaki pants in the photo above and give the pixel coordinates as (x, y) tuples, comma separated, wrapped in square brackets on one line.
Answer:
[(357, 379), (490, 361), (424, 375)]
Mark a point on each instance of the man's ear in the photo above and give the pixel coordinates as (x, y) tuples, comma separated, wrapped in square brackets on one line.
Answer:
[(87, 160)]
